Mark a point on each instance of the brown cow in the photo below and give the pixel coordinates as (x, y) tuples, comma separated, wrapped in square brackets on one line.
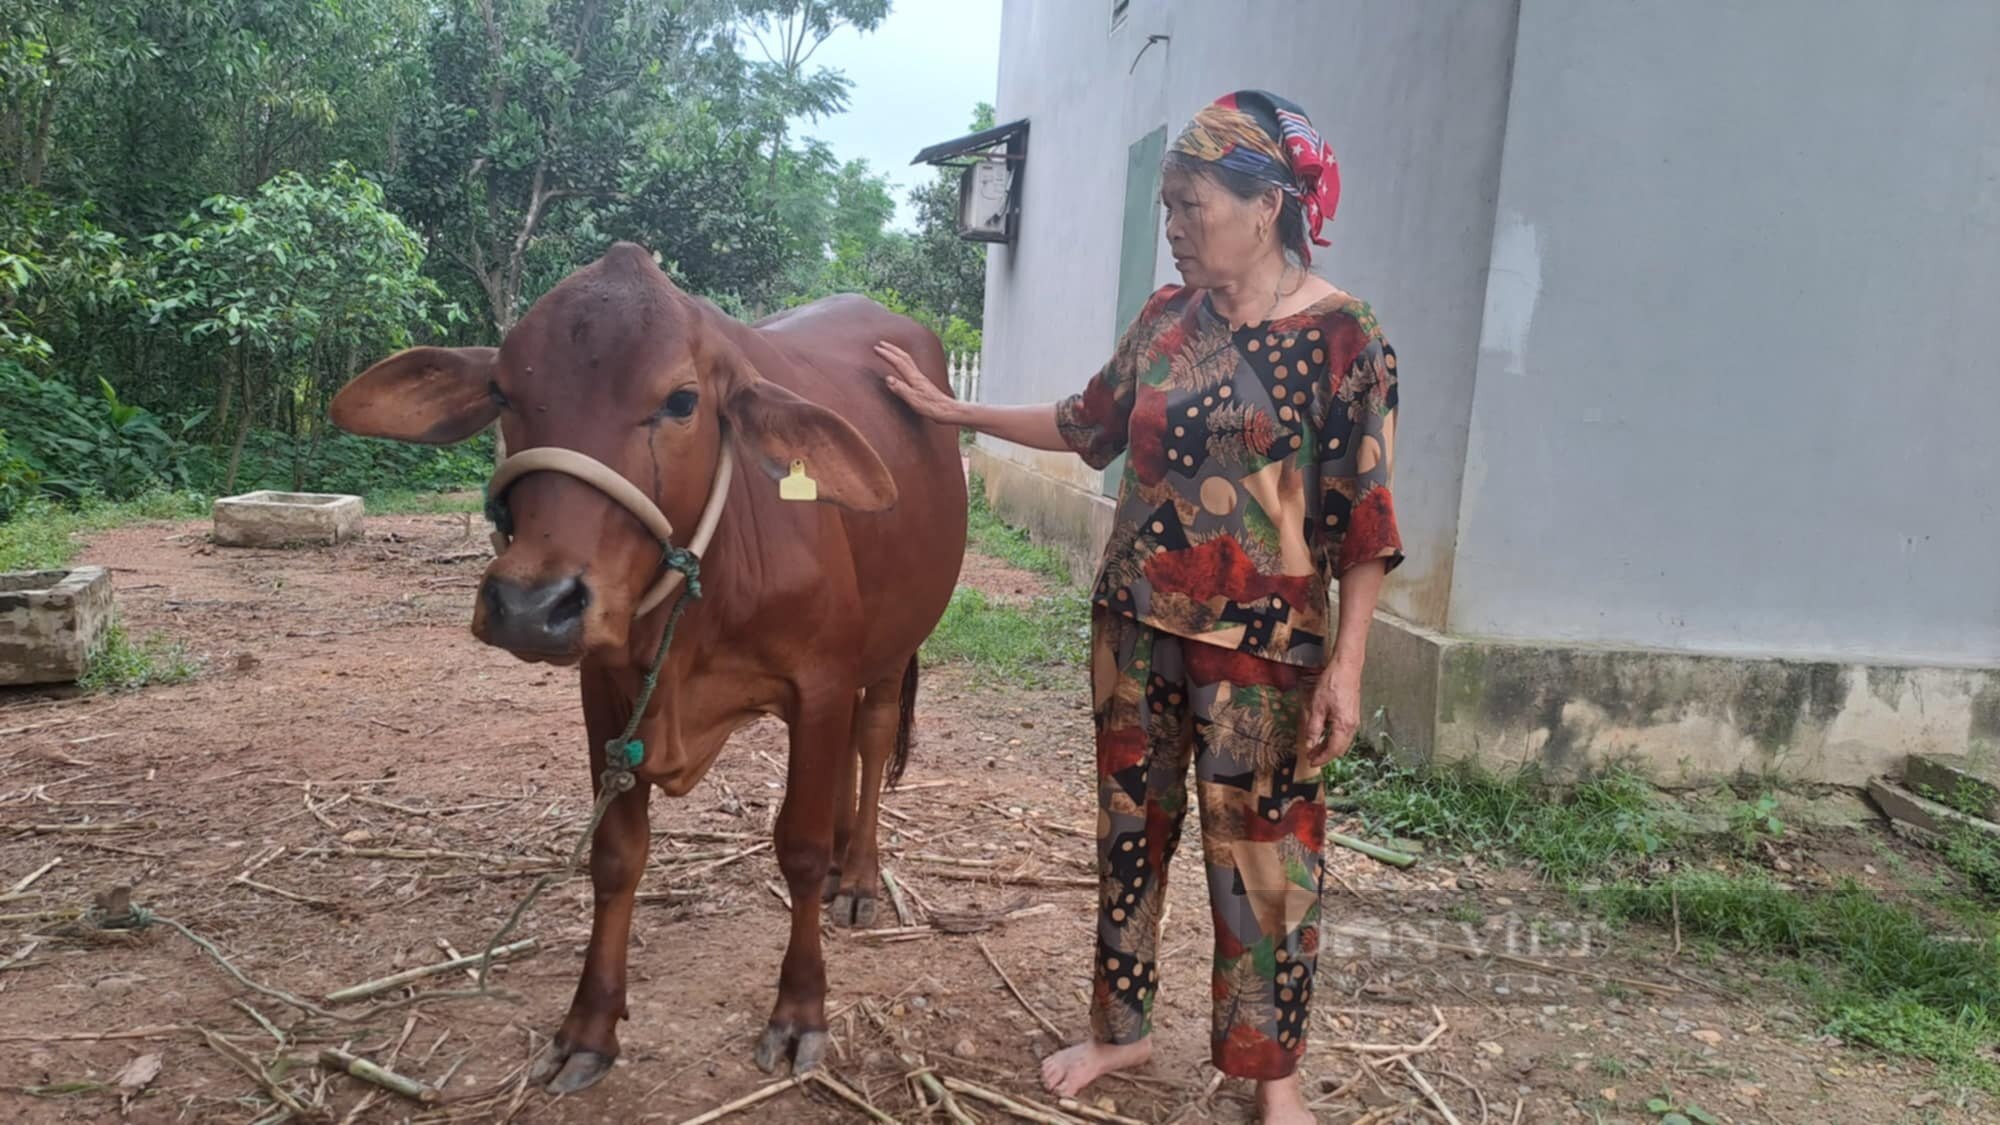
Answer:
[(812, 612)]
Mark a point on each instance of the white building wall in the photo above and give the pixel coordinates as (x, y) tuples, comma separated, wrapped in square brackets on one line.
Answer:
[(1722, 273), (1741, 369)]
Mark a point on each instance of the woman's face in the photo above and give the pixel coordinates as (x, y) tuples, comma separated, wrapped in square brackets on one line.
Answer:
[(1216, 238)]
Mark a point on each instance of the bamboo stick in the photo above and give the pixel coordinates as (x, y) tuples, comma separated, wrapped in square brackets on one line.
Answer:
[(397, 980)]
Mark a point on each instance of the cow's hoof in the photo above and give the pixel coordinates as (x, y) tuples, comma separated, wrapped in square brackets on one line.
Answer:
[(832, 887), (852, 910), (563, 1070), (805, 1049)]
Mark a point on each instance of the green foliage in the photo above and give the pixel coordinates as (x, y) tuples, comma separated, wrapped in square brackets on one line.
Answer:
[(226, 210), (42, 535), (292, 287), (1602, 825), (1976, 855), (1883, 974), (19, 481), (1753, 821), (118, 664), (59, 272), (1968, 796), (344, 463), (71, 447)]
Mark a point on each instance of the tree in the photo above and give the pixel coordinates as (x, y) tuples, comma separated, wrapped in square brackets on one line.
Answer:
[(790, 32), (862, 207), (932, 268), (292, 288), (514, 139), (537, 113)]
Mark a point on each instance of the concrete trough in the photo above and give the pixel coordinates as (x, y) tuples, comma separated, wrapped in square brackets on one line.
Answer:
[(49, 622), (279, 519)]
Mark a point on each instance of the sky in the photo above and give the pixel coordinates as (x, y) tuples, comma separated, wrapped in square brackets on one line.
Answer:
[(916, 79)]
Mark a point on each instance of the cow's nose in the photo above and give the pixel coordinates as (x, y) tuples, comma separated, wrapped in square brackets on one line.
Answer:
[(547, 618)]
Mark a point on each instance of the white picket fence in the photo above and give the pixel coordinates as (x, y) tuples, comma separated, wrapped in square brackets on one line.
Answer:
[(964, 370)]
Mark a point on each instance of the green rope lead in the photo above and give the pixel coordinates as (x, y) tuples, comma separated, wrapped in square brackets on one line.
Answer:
[(628, 750), (622, 755)]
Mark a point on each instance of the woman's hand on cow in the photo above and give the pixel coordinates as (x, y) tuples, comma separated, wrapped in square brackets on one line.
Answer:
[(908, 382), (1332, 716)]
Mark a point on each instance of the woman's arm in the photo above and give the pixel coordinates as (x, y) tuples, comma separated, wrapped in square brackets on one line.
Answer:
[(1360, 542), (1334, 713), (1033, 425), (1360, 587)]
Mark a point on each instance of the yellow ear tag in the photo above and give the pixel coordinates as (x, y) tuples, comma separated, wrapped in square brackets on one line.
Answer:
[(797, 486)]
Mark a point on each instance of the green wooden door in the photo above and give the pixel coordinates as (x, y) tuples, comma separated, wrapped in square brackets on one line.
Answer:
[(1138, 247)]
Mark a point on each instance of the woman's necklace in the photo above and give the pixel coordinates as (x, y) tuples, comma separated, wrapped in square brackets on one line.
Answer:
[(1277, 298)]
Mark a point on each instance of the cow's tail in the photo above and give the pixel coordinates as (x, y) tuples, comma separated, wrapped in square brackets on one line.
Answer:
[(906, 725)]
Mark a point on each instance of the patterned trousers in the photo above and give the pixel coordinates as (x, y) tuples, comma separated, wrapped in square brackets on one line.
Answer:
[(1161, 700)]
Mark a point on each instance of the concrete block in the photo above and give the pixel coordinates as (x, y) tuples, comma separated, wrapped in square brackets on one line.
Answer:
[(1965, 783), (1921, 812), (1681, 719), (49, 622), (277, 519)]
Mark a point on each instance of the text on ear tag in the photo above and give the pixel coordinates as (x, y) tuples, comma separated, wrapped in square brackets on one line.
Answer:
[(797, 486)]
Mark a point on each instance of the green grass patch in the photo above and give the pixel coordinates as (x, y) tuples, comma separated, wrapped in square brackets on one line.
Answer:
[(1975, 855), (120, 664), (1590, 830), (989, 536), (1025, 643), (43, 535), (424, 503), (1882, 974)]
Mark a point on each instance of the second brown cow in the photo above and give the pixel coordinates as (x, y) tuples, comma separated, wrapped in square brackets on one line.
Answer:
[(812, 611)]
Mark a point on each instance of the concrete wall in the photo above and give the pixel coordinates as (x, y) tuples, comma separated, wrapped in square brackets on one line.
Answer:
[(1678, 718), (1694, 299), (1737, 384), (1413, 98)]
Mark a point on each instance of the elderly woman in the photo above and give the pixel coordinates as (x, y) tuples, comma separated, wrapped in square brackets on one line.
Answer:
[(1257, 404)]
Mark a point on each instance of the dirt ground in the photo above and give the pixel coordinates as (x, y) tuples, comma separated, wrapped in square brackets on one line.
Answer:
[(409, 775)]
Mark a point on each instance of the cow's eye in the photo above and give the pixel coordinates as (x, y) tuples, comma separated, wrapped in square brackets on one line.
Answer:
[(680, 405), (499, 399)]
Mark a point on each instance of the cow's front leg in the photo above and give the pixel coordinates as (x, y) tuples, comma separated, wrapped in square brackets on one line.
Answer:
[(587, 1043), (804, 843)]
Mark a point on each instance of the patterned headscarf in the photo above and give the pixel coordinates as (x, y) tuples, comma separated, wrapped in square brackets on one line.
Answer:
[(1267, 138)]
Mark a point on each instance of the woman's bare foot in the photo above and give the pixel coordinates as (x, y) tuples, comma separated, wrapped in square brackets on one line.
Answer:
[(1069, 1070), (1282, 1102)]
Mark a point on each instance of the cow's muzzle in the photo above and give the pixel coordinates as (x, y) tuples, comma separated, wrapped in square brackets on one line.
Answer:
[(544, 620)]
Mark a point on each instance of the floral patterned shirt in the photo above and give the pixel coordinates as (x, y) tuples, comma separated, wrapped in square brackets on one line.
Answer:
[(1258, 472)]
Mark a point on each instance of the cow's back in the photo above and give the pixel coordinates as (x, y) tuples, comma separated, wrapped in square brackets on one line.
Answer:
[(907, 559)]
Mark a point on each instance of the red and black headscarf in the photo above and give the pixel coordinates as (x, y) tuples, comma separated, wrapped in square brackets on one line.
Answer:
[(1267, 138)]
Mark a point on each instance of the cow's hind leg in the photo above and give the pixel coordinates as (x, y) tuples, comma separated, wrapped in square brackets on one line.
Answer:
[(587, 1043), (843, 815), (879, 728), (804, 843)]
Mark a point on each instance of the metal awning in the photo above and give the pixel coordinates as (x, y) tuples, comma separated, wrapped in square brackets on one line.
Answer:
[(1014, 135)]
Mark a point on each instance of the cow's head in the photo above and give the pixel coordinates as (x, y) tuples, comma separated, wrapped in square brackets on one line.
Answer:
[(618, 364)]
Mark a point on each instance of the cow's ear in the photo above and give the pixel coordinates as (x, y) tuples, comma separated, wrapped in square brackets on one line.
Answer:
[(783, 428), (435, 396)]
